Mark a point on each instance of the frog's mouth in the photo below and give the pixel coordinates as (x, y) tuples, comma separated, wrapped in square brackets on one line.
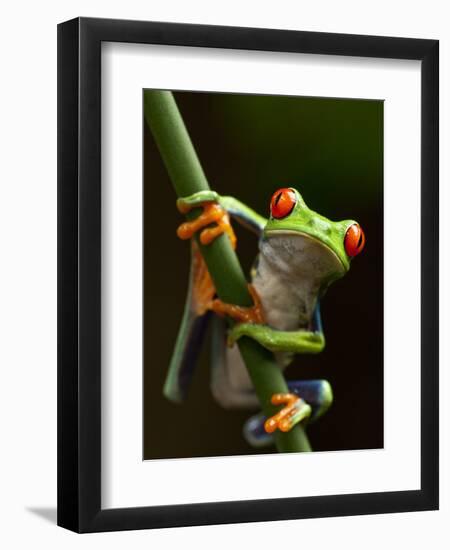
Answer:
[(304, 252)]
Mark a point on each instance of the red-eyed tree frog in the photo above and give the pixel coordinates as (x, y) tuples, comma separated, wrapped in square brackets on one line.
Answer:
[(300, 254)]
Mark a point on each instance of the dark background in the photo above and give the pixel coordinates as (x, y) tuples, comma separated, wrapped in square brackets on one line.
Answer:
[(331, 150)]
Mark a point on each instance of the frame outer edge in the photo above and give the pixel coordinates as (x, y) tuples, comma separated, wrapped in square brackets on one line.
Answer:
[(89, 273), (67, 372), (430, 277)]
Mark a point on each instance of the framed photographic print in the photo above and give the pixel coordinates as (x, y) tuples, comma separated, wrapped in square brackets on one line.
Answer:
[(248, 274)]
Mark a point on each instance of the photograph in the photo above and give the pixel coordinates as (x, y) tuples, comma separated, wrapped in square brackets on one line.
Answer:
[(295, 186)]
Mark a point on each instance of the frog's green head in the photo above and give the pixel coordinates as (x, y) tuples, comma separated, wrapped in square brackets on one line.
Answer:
[(336, 243)]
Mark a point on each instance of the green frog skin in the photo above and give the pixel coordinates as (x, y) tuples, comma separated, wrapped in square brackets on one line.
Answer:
[(300, 254)]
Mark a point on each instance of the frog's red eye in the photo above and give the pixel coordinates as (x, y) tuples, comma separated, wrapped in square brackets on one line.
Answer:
[(282, 203), (354, 240)]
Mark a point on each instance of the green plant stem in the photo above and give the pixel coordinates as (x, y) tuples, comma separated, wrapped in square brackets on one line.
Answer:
[(187, 176)]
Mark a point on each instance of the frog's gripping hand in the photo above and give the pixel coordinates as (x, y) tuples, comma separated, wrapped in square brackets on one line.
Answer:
[(213, 213), (214, 206)]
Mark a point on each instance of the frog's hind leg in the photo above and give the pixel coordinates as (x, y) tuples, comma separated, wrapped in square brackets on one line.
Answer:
[(316, 393), (192, 330)]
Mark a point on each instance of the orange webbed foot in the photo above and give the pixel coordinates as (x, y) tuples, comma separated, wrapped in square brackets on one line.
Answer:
[(294, 411), (212, 213)]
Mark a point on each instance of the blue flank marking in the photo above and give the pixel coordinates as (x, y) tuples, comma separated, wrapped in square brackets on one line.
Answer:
[(191, 352), (317, 319)]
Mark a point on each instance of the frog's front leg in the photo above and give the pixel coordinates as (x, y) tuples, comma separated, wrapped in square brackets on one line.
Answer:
[(297, 341), (214, 213)]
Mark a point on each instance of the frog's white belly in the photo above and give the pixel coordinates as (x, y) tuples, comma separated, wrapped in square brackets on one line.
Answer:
[(288, 280), (288, 298)]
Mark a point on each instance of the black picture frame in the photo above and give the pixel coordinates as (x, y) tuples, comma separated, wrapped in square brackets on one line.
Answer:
[(79, 274)]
